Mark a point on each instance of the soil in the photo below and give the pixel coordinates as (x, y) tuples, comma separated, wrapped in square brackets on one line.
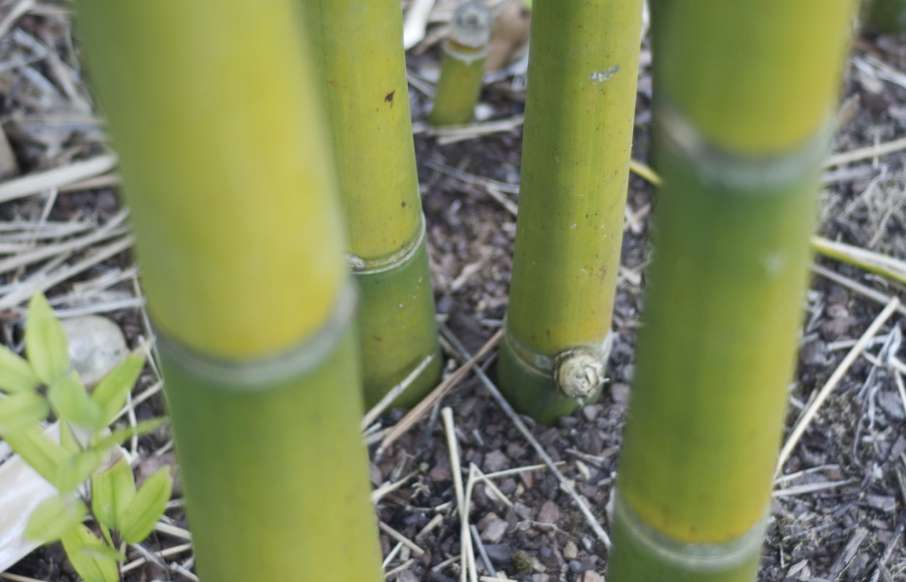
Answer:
[(840, 510)]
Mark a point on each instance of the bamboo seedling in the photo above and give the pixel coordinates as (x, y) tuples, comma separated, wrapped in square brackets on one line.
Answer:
[(83, 455), (575, 164), (743, 117), (462, 65), (214, 111), (362, 78)]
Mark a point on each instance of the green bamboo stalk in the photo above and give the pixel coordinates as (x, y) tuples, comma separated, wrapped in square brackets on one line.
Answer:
[(363, 82), (884, 16), (213, 111), (575, 166), (462, 65), (743, 115)]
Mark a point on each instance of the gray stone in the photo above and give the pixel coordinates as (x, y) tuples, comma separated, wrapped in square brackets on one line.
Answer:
[(96, 345)]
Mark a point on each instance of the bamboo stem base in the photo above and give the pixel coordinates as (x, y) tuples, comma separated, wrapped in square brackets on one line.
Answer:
[(273, 463), (645, 555), (397, 329), (532, 389)]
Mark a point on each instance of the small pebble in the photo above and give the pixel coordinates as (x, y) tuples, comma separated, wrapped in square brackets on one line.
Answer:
[(620, 393), (96, 345), (493, 528), (495, 461), (549, 513)]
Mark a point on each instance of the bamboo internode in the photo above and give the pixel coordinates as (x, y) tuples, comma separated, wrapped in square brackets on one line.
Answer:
[(575, 167), (362, 75), (238, 228), (742, 125)]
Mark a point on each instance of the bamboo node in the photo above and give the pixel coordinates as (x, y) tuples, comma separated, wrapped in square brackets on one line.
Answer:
[(263, 373), (690, 557), (362, 266), (471, 25), (748, 173)]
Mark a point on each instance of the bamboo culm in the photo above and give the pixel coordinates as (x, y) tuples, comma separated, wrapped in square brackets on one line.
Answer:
[(362, 81), (239, 241), (462, 65), (575, 167), (742, 120)]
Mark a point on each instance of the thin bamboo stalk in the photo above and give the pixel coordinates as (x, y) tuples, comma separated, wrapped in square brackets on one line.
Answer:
[(885, 16), (239, 239), (462, 65), (742, 117), (575, 166), (363, 82)]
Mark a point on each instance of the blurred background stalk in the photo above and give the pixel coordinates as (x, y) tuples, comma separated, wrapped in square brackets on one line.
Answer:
[(462, 64), (884, 16)]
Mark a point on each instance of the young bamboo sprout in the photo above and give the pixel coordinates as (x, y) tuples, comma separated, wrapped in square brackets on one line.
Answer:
[(362, 78), (742, 117), (575, 167), (462, 65), (885, 16), (213, 109)]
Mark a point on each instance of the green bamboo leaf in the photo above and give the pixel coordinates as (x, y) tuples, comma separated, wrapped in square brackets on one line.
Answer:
[(111, 493), (37, 449), (21, 410), (16, 374), (85, 553), (119, 435), (68, 440), (45, 341), (111, 393), (146, 508), (72, 403), (54, 517), (103, 551), (77, 469)]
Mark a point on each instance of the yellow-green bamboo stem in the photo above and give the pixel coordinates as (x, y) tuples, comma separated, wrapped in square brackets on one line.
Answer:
[(885, 16), (362, 77), (739, 142), (462, 65), (575, 167), (226, 167)]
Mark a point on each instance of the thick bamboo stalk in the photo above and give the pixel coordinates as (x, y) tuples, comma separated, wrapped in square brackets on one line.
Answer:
[(213, 110), (575, 167), (742, 116), (362, 76), (885, 16), (462, 65)]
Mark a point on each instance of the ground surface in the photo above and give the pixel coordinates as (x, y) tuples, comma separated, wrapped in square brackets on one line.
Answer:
[(840, 508)]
